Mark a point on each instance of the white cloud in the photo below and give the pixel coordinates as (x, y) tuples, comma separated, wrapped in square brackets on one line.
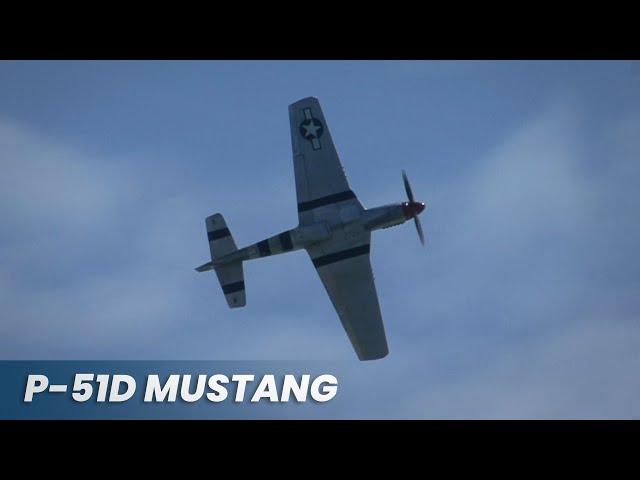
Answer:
[(67, 218), (48, 184), (587, 370)]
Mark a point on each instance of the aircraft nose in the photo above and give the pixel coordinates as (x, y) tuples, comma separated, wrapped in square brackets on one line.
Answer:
[(413, 209)]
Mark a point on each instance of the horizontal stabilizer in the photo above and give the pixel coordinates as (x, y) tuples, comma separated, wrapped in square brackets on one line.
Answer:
[(205, 267), (230, 275)]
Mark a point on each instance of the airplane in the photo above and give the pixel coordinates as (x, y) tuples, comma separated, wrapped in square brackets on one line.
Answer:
[(334, 228)]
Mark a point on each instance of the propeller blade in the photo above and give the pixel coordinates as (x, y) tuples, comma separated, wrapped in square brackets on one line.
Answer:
[(419, 229), (407, 187)]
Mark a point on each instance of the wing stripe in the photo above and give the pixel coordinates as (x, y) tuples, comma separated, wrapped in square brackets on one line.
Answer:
[(328, 200), (343, 255), (232, 287), (217, 234)]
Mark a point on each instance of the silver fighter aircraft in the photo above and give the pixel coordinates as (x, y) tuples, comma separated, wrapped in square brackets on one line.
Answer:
[(334, 228)]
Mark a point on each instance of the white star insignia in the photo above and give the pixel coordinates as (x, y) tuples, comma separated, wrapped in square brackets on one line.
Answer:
[(312, 129)]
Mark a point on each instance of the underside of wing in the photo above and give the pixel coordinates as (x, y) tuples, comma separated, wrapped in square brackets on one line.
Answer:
[(321, 183), (348, 279)]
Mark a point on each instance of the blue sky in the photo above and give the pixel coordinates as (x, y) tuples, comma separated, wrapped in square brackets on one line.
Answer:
[(525, 303)]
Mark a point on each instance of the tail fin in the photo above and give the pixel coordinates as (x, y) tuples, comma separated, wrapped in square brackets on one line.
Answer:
[(231, 275)]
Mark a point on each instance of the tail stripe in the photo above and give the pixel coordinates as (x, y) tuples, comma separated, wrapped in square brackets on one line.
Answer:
[(263, 248), (285, 241), (217, 234), (232, 287)]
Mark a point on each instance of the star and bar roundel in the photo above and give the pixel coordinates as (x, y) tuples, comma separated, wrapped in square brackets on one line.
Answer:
[(311, 129)]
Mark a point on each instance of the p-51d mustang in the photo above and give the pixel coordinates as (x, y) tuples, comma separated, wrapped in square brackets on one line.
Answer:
[(334, 228)]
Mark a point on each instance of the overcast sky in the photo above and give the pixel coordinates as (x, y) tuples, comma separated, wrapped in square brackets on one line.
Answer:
[(525, 303)]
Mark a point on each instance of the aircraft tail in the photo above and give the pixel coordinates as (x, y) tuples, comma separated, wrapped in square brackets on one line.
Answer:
[(230, 275)]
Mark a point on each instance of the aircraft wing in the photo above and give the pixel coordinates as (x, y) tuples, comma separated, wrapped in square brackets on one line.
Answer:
[(321, 185), (345, 270)]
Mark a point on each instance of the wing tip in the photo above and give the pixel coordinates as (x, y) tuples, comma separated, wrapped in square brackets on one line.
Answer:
[(374, 355)]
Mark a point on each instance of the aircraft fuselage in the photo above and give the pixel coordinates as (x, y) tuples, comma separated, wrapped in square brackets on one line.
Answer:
[(303, 236)]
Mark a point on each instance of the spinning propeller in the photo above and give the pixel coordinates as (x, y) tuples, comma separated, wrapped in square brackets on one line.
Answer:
[(412, 208)]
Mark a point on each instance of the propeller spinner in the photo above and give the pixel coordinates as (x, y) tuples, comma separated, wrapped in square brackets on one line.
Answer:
[(412, 208)]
